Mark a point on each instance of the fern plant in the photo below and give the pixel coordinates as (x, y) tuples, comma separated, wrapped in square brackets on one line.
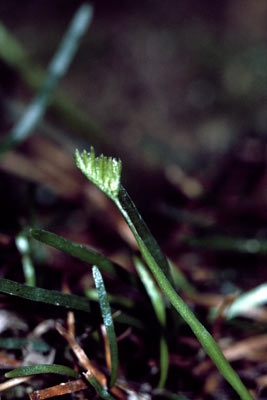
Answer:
[(105, 173)]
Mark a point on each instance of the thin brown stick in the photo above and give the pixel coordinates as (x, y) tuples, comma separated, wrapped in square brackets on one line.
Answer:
[(59, 390), (80, 354)]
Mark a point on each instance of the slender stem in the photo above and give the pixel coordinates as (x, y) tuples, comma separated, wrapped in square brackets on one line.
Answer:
[(138, 228)]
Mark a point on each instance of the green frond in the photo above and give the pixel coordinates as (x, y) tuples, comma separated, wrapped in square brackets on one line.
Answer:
[(104, 172)]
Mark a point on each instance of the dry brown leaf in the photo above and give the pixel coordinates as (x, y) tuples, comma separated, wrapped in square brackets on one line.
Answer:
[(13, 382), (81, 356), (59, 390)]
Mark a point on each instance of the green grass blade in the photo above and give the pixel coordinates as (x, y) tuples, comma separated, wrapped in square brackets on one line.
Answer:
[(122, 301), (42, 369), (72, 116), (44, 296), (108, 322), (253, 298), (75, 250), (200, 332), (101, 391), (159, 308), (20, 343), (169, 395), (56, 70), (23, 246), (226, 243), (140, 230), (180, 280), (164, 362), (152, 291), (126, 319)]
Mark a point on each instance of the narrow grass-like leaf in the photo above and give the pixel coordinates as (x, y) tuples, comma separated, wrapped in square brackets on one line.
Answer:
[(42, 369), (126, 319), (152, 291), (226, 243), (199, 330), (164, 362), (76, 250), (101, 391), (123, 301), (19, 343), (44, 296), (132, 217), (23, 246), (159, 308), (170, 395), (180, 280), (56, 70), (13, 54), (108, 322), (146, 242), (251, 299), (159, 267)]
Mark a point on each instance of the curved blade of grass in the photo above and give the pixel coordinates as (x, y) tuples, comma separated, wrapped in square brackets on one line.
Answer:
[(23, 246), (126, 319), (42, 369), (44, 296), (75, 250), (181, 307), (180, 280), (226, 243), (164, 362), (251, 299), (159, 308), (19, 343), (32, 75), (123, 301), (102, 392), (169, 395), (140, 230), (152, 291), (156, 262), (108, 322), (56, 70)]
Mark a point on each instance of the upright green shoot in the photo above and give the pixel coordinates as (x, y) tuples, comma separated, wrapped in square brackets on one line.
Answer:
[(154, 257), (159, 308)]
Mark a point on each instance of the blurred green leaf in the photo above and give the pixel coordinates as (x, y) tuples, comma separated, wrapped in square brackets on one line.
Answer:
[(56, 70), (152, 291), (75, 250), (101, 391), (42, 369), (108, 322), (19, 343)]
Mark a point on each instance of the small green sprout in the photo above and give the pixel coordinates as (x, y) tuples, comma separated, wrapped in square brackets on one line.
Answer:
[(104, 172)]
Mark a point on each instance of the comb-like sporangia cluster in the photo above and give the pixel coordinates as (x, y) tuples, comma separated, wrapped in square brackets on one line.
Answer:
[(104, 172)]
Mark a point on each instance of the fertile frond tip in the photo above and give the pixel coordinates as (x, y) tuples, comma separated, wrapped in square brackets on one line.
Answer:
[(104, 172)]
